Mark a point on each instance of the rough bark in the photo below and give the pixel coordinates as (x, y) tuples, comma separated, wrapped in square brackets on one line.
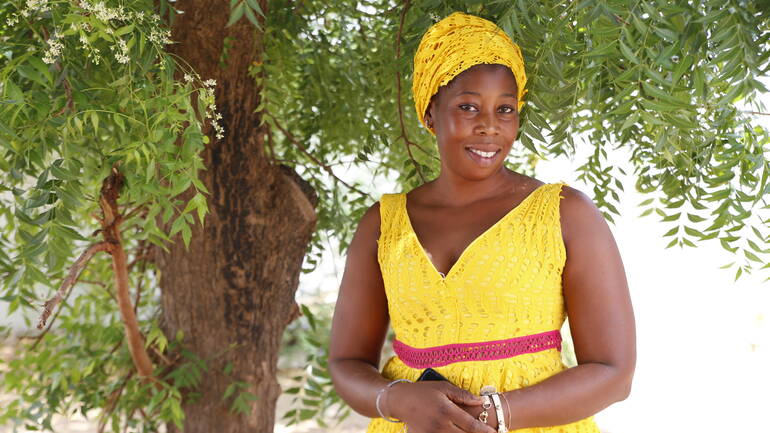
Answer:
[(236, 283)]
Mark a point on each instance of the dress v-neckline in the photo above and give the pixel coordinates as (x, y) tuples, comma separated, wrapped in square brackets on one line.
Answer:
[(468, 247)]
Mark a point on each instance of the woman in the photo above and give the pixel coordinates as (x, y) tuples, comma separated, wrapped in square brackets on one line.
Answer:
[(477, 270)]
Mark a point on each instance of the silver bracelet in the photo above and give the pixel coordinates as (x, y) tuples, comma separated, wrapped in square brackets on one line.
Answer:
[(379, 394), (499, 410)]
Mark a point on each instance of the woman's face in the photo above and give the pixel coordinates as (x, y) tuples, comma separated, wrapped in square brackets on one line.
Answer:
[(475, 120)]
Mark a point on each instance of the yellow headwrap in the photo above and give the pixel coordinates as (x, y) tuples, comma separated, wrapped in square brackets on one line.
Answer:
[(453, 45)]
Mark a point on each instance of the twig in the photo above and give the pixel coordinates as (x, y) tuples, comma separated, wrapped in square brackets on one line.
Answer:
[(69, 281), (140, 280), (407, 142), (102, 285), (39, 338), (307, 153), (96, 283), (67, 87), (68, 93), (270, 145), (422, 149), (112, 402), (136, 210), (163, 357)]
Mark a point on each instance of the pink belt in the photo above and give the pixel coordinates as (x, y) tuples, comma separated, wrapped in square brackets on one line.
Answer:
[(486, 350)]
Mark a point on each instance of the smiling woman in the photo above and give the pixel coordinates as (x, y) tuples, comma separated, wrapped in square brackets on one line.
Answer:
[(478, 269)]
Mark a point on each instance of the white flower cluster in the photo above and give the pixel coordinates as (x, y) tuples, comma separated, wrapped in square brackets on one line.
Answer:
[(112, 18), (207, 97), (31, 7), (159, 36), (55, 47), (104, 13), (36, 6), (122, 55), (211, 109)]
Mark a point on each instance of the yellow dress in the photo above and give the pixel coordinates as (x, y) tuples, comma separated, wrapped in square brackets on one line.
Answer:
[(506, 284)]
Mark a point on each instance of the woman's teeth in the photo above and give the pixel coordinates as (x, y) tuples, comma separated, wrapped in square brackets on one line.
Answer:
[(483, 154)]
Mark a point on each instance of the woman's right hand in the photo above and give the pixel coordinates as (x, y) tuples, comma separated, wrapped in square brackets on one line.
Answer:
[(432, 407)]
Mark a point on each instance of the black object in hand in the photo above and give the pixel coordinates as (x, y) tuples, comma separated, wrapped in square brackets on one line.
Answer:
[(431, 374)]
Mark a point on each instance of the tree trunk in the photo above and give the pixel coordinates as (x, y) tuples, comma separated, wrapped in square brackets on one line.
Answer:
[(236, 283)]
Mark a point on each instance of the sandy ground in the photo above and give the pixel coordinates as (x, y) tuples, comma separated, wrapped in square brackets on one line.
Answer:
[(77, 423)]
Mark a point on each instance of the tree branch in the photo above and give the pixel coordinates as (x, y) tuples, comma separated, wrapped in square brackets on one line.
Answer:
[(407, 142), (307, 153), (112, 402), (108, 201), (68, 282)]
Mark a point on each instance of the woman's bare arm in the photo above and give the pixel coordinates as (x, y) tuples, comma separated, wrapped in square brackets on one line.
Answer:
[(360, 321), (359, 327), (601, 322)]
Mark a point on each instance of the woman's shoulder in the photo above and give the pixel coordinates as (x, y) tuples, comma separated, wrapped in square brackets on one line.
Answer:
[(578, 211), (369, 224)]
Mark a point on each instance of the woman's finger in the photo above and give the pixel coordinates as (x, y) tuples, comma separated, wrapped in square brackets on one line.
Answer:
[(462, 396), (465, 421)]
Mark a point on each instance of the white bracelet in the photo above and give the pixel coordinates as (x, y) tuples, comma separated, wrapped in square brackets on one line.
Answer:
[(379, 394), (499, 410)]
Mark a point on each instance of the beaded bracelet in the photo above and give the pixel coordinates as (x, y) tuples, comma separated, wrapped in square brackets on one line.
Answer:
[(379, 394)]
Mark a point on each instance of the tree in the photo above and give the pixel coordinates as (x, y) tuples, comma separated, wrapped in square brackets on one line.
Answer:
[(246, 122)]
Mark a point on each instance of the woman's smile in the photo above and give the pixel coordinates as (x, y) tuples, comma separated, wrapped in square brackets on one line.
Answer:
[(483, 157)]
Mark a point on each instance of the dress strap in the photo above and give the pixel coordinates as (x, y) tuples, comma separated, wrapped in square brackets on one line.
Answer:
[(389, 213), (552, 200)]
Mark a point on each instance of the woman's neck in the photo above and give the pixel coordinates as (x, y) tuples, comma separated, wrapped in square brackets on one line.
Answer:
[(450, 188)]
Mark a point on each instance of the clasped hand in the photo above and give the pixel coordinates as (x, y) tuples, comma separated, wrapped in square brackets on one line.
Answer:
[(438, 407)]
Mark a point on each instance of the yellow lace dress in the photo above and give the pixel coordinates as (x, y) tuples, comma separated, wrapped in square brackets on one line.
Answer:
[(506, 284)]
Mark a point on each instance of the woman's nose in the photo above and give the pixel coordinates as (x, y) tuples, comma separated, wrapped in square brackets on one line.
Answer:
[(487, 124)]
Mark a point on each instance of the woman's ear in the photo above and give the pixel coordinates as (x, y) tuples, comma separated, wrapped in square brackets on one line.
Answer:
[(429, 116)]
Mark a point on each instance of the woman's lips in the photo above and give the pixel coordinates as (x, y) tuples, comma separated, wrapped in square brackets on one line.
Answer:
[(484, 158)]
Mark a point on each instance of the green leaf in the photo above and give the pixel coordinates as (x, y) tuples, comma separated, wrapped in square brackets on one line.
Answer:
[(307, 313), (604, 50), (95, 121), (231, 388), (123, 30), (252, 18), (751, 256), (255, 6), (627, 53), (186, 235), (667, 34), (681, 68), (236, 14), (672, 232)]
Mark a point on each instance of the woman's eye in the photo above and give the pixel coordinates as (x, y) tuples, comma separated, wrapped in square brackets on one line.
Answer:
[(505, 109)]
